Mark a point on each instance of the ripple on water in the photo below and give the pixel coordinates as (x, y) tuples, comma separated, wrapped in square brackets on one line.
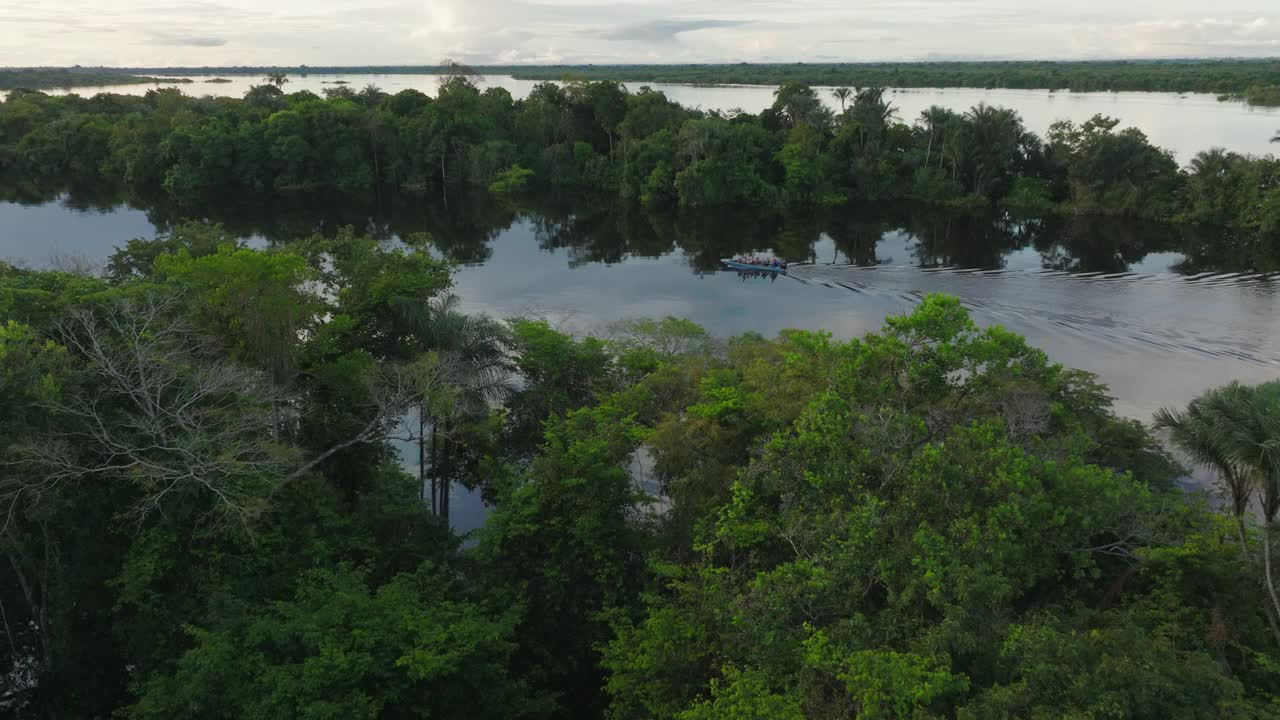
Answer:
[(1163, 314)]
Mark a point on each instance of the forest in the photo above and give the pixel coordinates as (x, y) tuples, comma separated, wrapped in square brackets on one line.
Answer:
[(1224, 76), (1231, 77), (226, 477), (638, 147), (44, 78)]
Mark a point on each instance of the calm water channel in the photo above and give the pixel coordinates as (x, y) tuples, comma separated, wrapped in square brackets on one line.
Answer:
[(1159, 314)]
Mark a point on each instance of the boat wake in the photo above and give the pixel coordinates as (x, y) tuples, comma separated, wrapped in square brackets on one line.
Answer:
[(1233, 316)]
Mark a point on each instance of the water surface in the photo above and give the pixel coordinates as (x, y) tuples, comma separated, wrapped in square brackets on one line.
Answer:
[(1160, 315)]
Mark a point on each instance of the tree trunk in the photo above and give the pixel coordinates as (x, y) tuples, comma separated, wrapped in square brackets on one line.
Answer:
[(1266, 564), (1273, 619), (435, 455), (444, 182), (445, 479), (1243, 537), (422, 454)]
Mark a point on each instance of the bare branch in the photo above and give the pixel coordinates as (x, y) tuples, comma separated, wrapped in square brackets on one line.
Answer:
[(157, 414)]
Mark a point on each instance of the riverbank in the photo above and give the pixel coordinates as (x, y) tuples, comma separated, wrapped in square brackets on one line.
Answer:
[(1229, 76)]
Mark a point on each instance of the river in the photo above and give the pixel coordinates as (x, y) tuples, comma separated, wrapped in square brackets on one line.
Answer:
[(1184, 124), (1158, 314)]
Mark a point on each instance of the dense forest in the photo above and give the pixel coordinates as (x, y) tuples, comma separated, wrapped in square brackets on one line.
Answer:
[(597, 137), (226, 476), (42, 78)]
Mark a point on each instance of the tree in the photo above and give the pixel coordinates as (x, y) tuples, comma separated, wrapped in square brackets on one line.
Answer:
[(474, 348), (158, 415), (993, 140), (278, 79), (798, 103), (452, 72), (893, 508), (566, 544), (1235, 431), (344, 647), (842, 94), (1115, 172), (936, 119)]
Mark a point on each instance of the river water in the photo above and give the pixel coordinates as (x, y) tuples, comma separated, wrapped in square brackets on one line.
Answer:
[(1158, 314), (1185, 124)]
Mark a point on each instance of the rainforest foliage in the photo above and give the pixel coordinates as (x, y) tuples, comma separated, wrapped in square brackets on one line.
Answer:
[(226, 475), (639, 146)]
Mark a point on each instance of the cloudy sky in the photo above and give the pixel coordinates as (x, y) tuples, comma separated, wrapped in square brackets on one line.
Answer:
[(345, 32)]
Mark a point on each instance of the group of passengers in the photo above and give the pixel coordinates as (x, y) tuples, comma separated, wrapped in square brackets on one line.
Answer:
[(762, 261)]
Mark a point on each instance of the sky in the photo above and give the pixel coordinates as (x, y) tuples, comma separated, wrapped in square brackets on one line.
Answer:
[(143, 33)]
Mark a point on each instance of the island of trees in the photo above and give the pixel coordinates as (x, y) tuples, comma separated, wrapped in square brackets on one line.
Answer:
[(44, 78), (226, 478), (637, 147)]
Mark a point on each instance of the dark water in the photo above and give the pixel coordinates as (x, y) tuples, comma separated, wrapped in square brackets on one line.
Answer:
[(1159, 314)]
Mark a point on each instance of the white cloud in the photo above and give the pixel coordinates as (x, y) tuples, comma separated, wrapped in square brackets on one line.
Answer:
[(334, 32)]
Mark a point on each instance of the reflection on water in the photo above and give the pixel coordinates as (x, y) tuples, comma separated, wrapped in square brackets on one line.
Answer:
[(1159, 313), (1185, 124)]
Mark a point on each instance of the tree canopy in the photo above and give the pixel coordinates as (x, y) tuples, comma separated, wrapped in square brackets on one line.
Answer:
[(602, 139), (212, 507)]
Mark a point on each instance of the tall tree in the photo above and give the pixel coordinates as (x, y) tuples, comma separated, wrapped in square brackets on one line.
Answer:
[(474, 349), (842, 94), (1235, 431)]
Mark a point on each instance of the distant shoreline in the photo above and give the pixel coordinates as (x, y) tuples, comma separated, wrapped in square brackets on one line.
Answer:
[(1256, 82), (53, 78), (1229, 76)]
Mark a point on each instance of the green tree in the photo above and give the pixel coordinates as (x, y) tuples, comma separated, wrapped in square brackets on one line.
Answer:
[(343, 649), (1235, 431), (565, 544), (842, 94), (473, 350), (800, 104)]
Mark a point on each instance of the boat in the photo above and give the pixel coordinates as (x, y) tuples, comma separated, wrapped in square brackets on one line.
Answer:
[(753, 268)]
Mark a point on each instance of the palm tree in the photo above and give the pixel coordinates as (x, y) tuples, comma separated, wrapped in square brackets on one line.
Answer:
[(994, 138), (471, 355), (935, 118), (842, 94), (277, 78), (873, 114), (1235, 430), (1197, 431)]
